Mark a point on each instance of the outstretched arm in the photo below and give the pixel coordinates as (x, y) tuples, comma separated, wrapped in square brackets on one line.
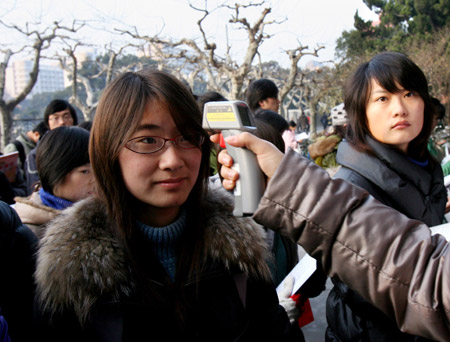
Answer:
[(404, 271)]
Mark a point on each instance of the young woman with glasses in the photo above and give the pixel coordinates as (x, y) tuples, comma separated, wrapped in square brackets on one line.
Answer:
[(154, 254)]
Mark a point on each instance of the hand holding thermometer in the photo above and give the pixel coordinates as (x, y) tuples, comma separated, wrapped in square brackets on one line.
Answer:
[(232, 118)]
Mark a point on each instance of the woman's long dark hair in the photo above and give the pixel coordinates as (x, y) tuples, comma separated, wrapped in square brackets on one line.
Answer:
[(388, 69), (117, 117)]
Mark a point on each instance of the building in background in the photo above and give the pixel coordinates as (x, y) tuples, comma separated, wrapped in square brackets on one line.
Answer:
[(50, 78)]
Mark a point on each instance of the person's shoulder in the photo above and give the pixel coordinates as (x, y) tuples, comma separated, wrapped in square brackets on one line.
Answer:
[(33, 152), (356, 178), (30, 159), (88, 215), (11, 147), (8, 217), (80, 245), (12, 228)]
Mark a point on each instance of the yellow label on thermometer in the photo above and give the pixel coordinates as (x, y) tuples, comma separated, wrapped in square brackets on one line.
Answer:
[(220, 115)]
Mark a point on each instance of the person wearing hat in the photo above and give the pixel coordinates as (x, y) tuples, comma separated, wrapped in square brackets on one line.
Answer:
[(57, 113)]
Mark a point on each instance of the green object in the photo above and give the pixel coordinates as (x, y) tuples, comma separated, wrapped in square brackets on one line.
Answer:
[(446, 168), (435, 150), (213, 162)]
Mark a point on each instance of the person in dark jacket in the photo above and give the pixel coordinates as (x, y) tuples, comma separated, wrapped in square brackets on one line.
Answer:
[(17, 254), (25, 142), (390, 114), (57, 113), (154, 255), (10, 189), (324, 119)]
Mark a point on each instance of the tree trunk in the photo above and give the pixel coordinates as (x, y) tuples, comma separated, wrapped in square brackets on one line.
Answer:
[(6, 122), (312, 117)]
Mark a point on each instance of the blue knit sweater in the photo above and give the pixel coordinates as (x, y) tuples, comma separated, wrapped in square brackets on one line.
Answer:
[(164, 241)]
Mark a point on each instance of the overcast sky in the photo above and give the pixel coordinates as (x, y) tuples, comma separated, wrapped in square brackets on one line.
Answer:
[(310, 22)]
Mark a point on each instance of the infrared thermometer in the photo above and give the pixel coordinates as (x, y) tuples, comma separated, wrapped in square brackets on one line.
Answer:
[(232, 118)]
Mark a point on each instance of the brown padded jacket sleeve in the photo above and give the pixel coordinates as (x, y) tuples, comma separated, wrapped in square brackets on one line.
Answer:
[(390, 260)]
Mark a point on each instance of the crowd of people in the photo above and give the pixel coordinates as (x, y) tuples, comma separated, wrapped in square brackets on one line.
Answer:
[(122, 229)]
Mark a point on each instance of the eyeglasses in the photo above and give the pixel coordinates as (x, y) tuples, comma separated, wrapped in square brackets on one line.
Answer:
[(147, 145), (55, 118)]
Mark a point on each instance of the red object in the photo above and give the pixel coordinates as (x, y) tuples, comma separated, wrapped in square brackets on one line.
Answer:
[(306, 314), (222, 141)]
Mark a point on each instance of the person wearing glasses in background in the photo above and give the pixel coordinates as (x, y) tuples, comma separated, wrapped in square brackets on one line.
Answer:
[(58, 113), (154, 255)]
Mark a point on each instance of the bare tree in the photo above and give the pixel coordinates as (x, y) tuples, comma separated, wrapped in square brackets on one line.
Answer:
[(310, 91), (70, 64), (321, 92), (295, 76), (37, 42), (219, 70), (432, 55)]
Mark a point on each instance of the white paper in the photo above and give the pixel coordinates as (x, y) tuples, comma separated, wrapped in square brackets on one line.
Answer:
[(301, 136), (301, 272), (443, 229)]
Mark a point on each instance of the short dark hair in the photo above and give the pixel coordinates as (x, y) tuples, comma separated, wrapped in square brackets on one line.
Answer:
[(292, 123), (389, 69), (59, 105), (87, 125), (40, 128), (209, 96), (274, 119), (60, 151), (260, 90), (267, 132)]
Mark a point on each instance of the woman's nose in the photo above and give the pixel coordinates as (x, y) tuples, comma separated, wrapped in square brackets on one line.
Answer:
[(170, 157), (399, 108)]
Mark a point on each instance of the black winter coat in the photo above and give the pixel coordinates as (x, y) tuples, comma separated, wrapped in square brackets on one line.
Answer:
[(396, 181), (17, 249), (90, 291)]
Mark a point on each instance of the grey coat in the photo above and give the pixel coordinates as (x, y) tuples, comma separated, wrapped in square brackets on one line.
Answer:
[(393, 179)]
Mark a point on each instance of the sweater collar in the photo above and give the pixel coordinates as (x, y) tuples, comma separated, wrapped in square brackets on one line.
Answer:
[(167, 235)]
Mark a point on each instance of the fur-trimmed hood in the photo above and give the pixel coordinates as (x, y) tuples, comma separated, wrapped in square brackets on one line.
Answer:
[(34, 213), (80, 259)]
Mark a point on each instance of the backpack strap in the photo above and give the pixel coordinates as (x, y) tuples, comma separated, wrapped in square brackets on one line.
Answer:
[(21, 151)]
